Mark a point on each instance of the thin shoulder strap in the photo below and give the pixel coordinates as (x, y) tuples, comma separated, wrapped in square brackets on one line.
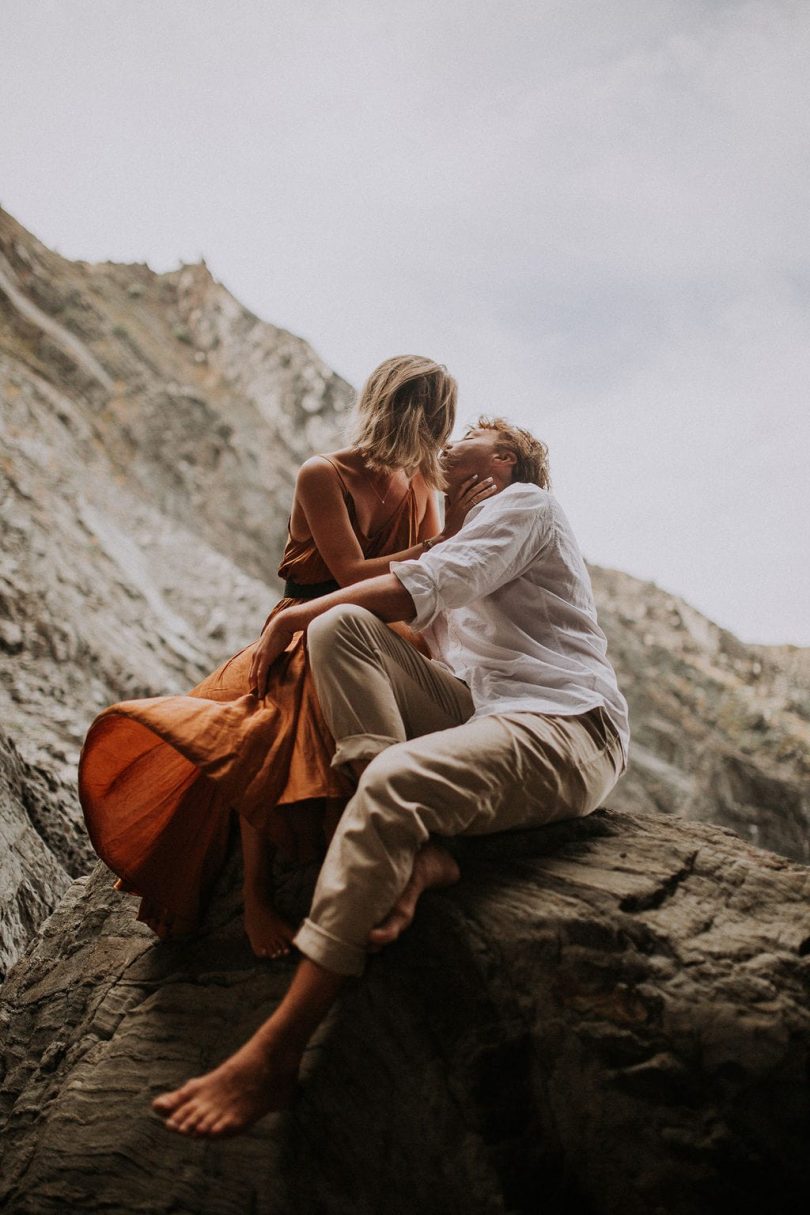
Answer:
[(337, 470)]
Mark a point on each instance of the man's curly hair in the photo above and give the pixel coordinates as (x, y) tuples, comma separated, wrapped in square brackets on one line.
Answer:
[(531, 454)]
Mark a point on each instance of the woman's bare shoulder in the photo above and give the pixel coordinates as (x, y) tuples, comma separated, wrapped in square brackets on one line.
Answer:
[(318, 485), (320, 468), (420, 487), (345, 461)]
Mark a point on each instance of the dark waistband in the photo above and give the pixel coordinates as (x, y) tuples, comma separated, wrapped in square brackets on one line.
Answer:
[(311, 590)]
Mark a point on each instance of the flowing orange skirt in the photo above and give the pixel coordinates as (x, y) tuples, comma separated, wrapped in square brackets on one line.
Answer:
[(161, 778)]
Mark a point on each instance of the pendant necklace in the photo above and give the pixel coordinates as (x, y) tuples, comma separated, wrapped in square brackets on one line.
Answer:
[(377, 494)]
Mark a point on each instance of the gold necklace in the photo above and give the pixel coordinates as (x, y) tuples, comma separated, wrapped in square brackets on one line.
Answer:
[(377, 492)]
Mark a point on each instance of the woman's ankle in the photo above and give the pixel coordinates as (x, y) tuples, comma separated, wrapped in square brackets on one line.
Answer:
[(257, 896)]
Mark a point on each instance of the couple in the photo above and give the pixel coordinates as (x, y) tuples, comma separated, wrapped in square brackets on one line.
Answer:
[(515, 720)]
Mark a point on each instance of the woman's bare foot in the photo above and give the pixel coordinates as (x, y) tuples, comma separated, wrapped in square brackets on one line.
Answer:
[(269, 934), (262, 1075), (256, 1080), (432, 868)]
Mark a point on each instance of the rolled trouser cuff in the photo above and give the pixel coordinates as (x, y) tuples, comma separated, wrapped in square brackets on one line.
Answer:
[(360, 748), (328, 951)]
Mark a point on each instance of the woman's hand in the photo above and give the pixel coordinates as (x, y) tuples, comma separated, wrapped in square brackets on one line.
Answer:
[(468, 495), (273, 641)]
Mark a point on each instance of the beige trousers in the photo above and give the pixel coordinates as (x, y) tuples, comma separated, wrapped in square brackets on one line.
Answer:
[(432, 771)]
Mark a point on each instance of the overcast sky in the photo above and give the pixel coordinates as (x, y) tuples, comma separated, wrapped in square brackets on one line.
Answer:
[(596, 212)]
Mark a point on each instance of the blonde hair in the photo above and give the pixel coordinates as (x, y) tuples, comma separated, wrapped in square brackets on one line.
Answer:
[(404, 416), (531, 454)]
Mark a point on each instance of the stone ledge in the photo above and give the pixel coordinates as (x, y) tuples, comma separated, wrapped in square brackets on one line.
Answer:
[(606, 1015)]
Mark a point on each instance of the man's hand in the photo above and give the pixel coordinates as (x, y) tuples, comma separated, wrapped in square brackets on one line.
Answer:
[(273, 641), (468, 495)]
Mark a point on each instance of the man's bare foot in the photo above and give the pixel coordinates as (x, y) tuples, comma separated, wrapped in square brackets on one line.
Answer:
[(254, 1081), (269, 934), (432, 868)]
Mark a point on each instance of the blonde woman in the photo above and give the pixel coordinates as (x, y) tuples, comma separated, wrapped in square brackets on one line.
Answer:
[(160, 779)]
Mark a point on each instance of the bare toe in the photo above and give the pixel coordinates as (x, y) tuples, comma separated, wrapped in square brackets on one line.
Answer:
[(165, 1103), (267, 932), (178, 1116), (207, 1122), (390, 929), (192, 1119)]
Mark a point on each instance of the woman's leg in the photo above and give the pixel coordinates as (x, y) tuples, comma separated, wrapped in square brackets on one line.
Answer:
[(262, 1075), (269, 933)]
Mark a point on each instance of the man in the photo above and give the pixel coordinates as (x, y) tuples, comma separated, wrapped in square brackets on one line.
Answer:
[(516, 722)]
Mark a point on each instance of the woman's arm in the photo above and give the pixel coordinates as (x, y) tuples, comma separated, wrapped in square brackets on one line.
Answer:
[(320, 496)]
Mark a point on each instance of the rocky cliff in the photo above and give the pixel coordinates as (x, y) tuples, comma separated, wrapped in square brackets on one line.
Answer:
[(607, 1015), (720, 729), (151, 429)]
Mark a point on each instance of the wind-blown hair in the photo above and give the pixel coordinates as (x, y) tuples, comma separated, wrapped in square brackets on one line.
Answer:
[(404, 416), (531, 454)]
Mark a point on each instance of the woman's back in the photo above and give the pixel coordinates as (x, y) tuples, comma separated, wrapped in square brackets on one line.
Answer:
[(337, 514)]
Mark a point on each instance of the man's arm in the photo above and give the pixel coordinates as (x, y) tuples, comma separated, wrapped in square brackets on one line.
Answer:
[(385, 596), (506, 536)]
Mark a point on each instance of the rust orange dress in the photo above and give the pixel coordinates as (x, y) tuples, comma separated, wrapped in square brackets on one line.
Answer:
[(162, 779)]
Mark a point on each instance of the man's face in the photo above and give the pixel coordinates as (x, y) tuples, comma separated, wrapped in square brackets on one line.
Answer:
[(473, 453)]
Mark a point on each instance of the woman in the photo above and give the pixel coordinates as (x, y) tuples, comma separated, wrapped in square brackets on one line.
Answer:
[(159, 778)]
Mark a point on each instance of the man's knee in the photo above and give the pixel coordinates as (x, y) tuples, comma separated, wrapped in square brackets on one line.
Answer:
[(332, 629), (390, 781)]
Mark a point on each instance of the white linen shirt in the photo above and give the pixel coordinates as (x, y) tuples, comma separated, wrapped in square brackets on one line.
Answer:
[(506, 605)]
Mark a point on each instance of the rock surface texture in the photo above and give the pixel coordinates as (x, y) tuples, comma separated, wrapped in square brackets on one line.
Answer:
[(605, 1016), (720, 730), (151, 427), (150, 432)]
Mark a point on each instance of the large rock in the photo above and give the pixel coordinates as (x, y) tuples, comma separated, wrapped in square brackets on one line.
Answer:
[(605, 1016), (720, 729), (150, 431), (33, 876)]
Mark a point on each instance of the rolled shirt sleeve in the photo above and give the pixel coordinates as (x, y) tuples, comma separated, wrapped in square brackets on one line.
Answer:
[(497, 541)]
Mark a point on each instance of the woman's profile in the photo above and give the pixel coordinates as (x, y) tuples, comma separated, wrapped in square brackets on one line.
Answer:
[(162, 779)]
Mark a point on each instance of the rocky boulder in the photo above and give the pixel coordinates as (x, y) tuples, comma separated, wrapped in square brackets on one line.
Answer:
[(32, 845), (720, 729), (150, 432), (607, 1016)]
